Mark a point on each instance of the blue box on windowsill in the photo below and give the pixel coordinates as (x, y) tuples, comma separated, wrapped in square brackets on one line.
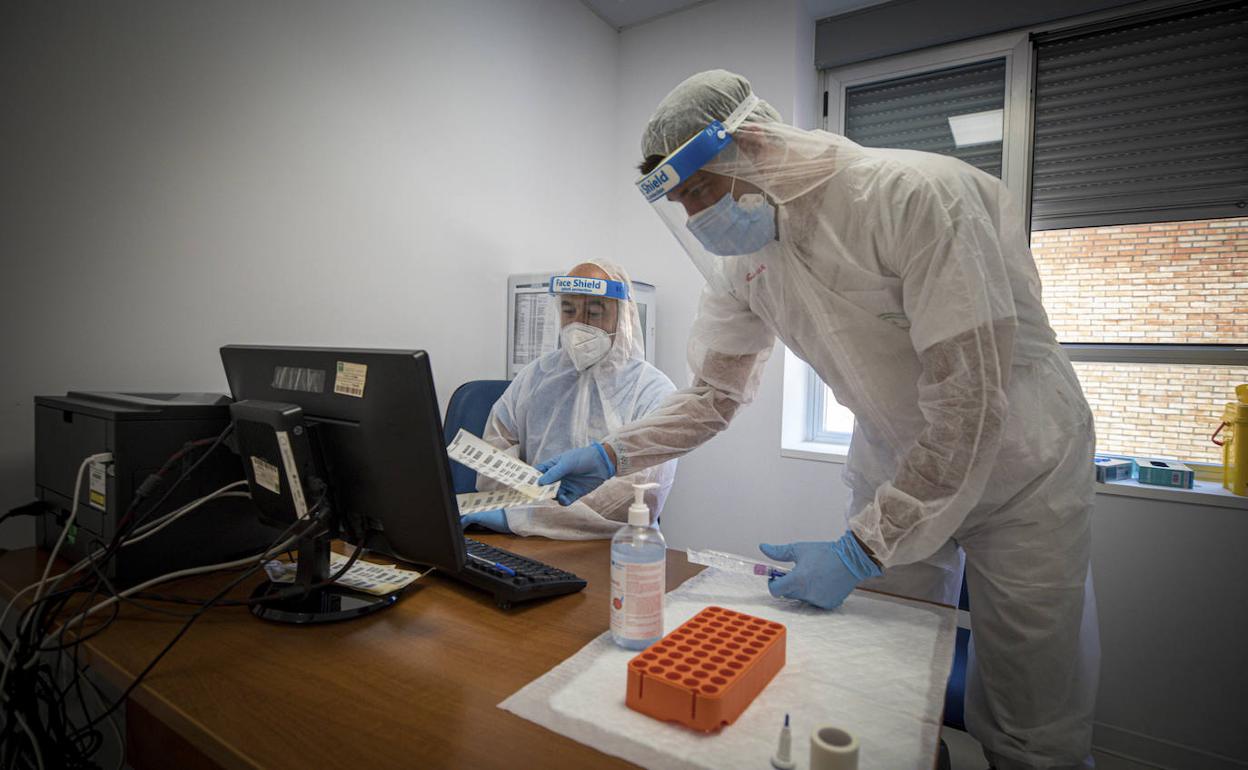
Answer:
[(1112, 468), (1166, 474)]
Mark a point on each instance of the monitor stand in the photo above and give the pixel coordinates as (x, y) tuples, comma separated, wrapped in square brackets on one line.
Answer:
[(324, 604)]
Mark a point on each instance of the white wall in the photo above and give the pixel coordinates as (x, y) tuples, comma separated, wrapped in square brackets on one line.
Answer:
[(1172, 585), (175, 176)]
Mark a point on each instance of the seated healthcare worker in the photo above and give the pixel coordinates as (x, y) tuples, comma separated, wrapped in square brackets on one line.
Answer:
[(596, 382)]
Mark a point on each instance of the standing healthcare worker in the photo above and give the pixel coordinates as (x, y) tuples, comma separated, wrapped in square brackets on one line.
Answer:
[(905, 279)]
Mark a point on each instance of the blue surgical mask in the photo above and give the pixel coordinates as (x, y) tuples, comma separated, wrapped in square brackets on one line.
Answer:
[(729, 228)]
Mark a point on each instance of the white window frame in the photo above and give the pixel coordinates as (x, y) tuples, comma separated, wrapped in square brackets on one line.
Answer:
[(1014, 47), (816, 402), (800, 383), (802, 404)]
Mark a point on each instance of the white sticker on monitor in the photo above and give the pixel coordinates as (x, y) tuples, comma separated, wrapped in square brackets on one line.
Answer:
[(292, 473), (96, 494), (266, 475), (349, 379)]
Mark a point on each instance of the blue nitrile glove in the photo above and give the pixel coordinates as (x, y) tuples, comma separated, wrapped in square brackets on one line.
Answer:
[(825, 572), (581, 470), (495, 520)]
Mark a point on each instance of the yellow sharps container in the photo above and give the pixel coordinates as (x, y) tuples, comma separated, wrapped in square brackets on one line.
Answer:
[(1234, 443)]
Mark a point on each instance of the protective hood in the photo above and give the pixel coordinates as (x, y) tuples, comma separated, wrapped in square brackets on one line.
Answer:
[(603, 396)]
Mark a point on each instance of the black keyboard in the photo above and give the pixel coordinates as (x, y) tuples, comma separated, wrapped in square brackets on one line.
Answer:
[(519, 580)]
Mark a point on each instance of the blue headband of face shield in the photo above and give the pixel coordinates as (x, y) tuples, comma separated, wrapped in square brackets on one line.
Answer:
[(594, 287), (687, 159)]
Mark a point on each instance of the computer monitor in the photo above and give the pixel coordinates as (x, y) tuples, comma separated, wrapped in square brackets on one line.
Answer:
[(371, 438)]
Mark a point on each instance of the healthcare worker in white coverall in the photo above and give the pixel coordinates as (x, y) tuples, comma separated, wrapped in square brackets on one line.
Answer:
[(905, 279), (597, 381)]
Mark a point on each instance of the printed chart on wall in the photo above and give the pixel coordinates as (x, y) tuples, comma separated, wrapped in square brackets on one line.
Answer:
[(529, 323)]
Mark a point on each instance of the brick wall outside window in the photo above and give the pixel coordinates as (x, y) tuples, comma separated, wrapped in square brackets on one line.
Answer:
[(1182, 282)]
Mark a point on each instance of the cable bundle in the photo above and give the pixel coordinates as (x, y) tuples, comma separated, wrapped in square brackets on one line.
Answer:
[(45, 717)]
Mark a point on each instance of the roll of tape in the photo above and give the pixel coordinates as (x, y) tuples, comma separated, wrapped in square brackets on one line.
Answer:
[(833, 748)]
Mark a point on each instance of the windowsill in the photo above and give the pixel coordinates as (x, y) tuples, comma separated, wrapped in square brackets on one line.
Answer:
[(1203, 493), (814, 450)]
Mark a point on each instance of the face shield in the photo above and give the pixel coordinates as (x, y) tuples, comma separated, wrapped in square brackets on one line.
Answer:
[(589, 311), (701, 193)]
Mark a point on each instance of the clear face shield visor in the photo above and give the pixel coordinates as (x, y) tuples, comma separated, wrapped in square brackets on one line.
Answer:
[(701, 193)]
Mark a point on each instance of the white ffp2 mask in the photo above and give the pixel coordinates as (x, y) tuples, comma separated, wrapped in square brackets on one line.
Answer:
[(586, 345)]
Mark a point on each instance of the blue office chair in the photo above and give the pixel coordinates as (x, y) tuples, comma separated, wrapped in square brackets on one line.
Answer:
[(955, 692), (469, 409)]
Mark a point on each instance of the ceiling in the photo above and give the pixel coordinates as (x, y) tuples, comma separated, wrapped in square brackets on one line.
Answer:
[(623, 14)]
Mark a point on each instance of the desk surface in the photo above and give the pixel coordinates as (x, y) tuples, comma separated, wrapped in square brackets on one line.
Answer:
[(415, 685)]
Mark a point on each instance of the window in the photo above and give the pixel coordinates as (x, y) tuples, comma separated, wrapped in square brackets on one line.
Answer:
[(1131, 157), (827, 421), (1164, 289), (1142, 120), (969, 100), (957, 111), (1140, 170)]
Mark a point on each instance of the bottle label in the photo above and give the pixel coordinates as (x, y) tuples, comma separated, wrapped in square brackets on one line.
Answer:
[(637, 599)]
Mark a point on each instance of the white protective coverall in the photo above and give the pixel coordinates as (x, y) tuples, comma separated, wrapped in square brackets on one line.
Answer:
[(551, 407), (906, 280)]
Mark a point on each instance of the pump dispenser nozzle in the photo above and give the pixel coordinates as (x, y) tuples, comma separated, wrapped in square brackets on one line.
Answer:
[(639, 512)]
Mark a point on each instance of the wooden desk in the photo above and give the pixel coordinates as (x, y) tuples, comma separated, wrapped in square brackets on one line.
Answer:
[(415, 685)]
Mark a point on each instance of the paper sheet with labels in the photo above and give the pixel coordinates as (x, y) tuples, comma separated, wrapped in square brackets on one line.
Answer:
[(376, 579), (519, 477)]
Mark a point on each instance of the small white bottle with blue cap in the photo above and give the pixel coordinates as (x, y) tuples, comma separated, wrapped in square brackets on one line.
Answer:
[(638, 577)]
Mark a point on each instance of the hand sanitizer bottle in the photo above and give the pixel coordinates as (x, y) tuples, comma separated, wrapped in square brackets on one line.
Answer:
[(638, 577)]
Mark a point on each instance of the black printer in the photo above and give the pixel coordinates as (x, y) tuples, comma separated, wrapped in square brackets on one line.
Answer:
[(142, 431)]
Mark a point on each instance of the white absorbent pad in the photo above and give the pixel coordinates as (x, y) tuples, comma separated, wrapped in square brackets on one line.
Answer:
[(877, 666)]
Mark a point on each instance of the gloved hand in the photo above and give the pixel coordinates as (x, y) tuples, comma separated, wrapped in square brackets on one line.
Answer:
[(824, 573), (581, 470), (495, 520)]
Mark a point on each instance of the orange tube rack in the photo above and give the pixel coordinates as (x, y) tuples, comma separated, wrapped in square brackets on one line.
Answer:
[(705, 673)]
